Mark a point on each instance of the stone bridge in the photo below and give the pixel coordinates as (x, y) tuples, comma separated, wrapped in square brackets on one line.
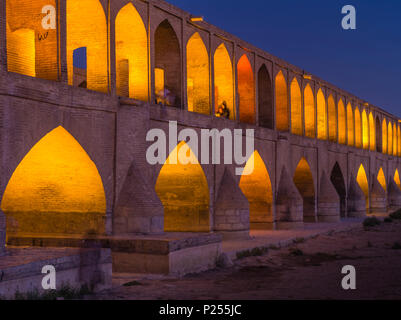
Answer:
[(82, 84)]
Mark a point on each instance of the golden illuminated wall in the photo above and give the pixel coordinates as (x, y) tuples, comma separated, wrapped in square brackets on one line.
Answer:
[(258, 190), (132, 46), (184, 192), (390, 138), (309, 112), (395, 141), (384, 136), (31, 50), (303, 180), (321, 116), (397, 178), (223, 79), (365, 130), (342, 125), (198, 86), (246, 90), (382, 179), (86, 27), (56, 189), (399, 140), (363, 183), (331, 106), (282, 121), (296, 108), (358, 128), (372, 132), (350, 125)]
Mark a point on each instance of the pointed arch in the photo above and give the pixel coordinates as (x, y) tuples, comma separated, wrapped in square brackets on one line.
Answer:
[(303, 180), (399, 139), (265, 99), (296, 108), (198, 82), (358, 128), (257, 188), (397, 178), (331, 106), (372, 132), (342, 126), (350, 125), (27, 53), (282, 122), (309, 112), (384, 135), (246, 90), (363, 183), (395, 143), (379, 139), (56, 189), (184, 192), (381, 178), (390, 138), (131, 54), (92, 35), (321, 116), (223, 80), (338, 181), (168, 65), (365, 130)]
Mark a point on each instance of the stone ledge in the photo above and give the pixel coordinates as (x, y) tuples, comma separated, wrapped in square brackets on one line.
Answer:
[(156, 245)]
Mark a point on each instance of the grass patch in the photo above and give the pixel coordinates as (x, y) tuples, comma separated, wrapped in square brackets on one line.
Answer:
[(65, 292), (371, 222), (396, 215), (132, 284), (256, 252)]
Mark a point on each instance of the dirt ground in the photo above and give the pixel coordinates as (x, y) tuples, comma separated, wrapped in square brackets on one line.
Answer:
[(307, 270)]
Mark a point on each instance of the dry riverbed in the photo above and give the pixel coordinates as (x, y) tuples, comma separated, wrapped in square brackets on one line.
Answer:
[(307, 270)]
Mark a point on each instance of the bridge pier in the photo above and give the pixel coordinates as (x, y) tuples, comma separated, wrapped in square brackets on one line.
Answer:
[(356, 200), (394, 196), (329, 201), (378, 200), (231, 215)]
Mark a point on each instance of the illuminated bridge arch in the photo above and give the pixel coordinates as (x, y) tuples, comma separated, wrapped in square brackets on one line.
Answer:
[(384, 136), (223, 80), (131, 54), (309, 112), (87, 28), (358, 128), (184, 192), (390, 138), (331, 106), (246, 90), (168, 69), (350, 125), (27, 52), (282, 122), (303, 180), (56, 189), (296, 108), (257, 188), (321, 116), (365, 130), (198, 80), (342, 123), (363, 183), (372, 132)]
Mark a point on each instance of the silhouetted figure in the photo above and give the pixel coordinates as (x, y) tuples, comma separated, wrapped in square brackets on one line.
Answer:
[(223, 111)]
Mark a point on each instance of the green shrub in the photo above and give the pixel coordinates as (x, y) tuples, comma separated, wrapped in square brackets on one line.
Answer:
[(371, 222), (396, 215)]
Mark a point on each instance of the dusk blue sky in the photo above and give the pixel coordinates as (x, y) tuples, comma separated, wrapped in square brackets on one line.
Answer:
[(308, 34)]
